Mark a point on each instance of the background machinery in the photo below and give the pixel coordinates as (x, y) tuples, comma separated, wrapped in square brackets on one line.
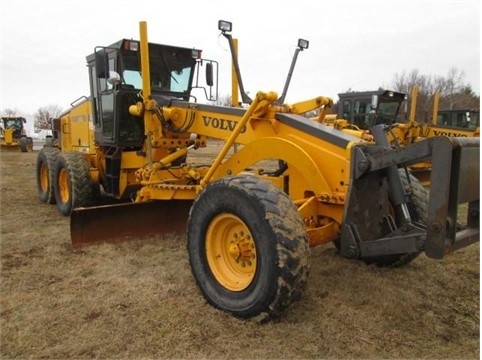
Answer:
[(358, 112), (363, 108), (249, 228), (13, 134), (459, 118)]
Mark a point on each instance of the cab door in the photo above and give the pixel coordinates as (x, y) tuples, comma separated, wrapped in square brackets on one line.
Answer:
[(103, 93)]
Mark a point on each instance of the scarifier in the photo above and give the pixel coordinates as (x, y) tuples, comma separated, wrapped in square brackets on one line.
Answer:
[(249, 227)]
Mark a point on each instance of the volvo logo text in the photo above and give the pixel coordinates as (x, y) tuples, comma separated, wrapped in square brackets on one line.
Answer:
[(222, 124)]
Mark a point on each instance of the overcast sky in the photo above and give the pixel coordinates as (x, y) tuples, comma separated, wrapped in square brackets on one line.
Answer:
[(360, 45)]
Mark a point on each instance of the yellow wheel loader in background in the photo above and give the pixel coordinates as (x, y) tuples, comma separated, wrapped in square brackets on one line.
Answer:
[(249, 228), (13, 135)]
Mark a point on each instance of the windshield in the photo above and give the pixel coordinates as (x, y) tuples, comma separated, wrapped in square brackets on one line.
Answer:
[(389, 108), (171, 69), (13, 123), (175, 81)]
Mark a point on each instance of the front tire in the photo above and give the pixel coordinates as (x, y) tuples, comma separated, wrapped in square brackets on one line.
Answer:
[(73, 185), (248, 247), (23, 144)]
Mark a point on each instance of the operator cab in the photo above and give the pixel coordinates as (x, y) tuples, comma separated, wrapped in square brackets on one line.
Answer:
[(370, 108), (460, 118), (116, 83)]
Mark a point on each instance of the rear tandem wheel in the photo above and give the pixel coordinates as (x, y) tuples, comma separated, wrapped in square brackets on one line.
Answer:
[(72, 186), (248, 247), (45, 174)]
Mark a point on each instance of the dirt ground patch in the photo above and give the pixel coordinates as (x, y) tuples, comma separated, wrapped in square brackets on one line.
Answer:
[(139, 299)]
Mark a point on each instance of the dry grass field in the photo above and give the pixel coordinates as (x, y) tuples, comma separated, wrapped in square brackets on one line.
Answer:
[(139, 300)]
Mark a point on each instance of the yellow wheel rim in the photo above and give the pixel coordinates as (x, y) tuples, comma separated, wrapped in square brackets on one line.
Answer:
[(231, 252), (63, 182), (44, 177)]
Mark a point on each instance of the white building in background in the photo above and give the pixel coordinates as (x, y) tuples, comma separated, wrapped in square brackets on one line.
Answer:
[(40, 135)]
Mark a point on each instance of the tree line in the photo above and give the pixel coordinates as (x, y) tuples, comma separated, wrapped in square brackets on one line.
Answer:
[(455, 93)]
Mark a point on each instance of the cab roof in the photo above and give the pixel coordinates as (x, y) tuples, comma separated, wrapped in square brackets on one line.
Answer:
[(134, 45)]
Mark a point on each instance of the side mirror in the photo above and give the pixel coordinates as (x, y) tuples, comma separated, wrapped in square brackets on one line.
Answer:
[(209, 74), (101, 64), (114, 78)]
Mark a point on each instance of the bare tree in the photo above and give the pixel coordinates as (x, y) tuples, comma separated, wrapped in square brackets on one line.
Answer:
[(44, 114), (10, 112), (454, 93), (223, 100)]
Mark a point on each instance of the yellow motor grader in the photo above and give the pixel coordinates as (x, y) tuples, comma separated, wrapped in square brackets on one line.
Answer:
[(13, 136), (249, 228)]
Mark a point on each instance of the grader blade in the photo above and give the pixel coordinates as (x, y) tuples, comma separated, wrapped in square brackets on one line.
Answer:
[(124, 222)]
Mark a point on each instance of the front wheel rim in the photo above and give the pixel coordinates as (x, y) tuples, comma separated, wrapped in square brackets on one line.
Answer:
[(231, 252)]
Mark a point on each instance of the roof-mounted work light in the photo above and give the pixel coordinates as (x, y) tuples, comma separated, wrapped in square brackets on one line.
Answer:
[(303, 44), (225, 26)]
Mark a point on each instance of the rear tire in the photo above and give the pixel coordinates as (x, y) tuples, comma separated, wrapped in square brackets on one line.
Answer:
[(45, 171), (248, 247), (73, 185)]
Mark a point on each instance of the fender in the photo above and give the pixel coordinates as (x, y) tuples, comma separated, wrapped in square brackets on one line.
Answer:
[(276, 148)]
